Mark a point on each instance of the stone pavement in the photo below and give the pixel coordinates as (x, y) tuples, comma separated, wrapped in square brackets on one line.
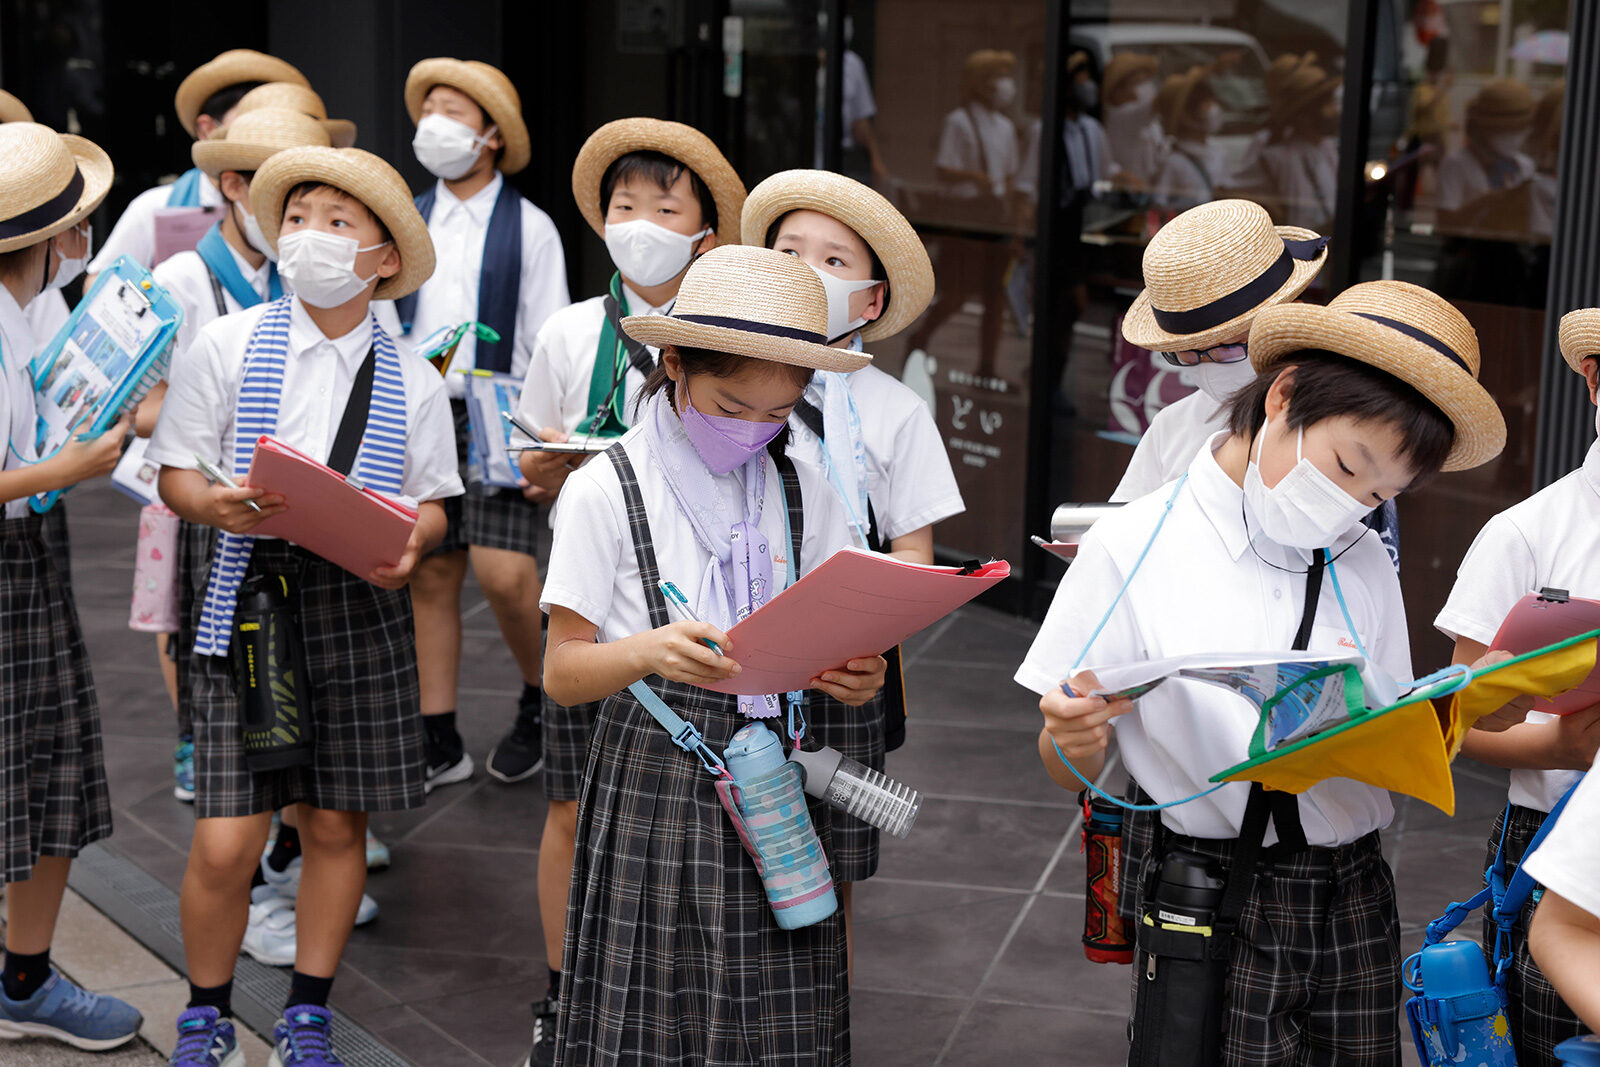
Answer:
[(968, 946)]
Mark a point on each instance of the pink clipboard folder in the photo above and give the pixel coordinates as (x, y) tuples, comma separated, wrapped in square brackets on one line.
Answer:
[(354, 527), (856, 604), (1538, 620)]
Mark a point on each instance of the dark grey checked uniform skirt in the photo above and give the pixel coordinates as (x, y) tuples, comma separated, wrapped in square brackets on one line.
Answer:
[(1540, 1019), (672, 955), (361, 656), (858, 733), (566, 747), (1315, 974), (501, 519), (53, 794)]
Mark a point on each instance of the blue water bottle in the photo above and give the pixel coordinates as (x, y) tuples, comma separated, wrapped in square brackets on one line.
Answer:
[(1580, 1051), (1456, 1016), (767, 803)]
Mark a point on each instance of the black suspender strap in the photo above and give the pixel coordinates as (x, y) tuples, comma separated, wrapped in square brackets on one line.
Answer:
[(811, 417), (792, 501), (216, 293), (353, 426), (639, 529)]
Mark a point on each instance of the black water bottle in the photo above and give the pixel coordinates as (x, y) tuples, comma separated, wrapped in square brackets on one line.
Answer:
[(1188, 893), (1181, 968), (270, 674)]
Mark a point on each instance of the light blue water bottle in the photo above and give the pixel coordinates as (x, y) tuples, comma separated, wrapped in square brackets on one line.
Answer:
[(1580, 1051), (1456, 1016), (767, 803)]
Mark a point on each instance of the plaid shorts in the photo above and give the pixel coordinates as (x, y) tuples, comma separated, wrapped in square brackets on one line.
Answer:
[(858, 734), (1315, 974), (366, 705), (53, 794), (566, 747), (1540, 1019), (502, 518)]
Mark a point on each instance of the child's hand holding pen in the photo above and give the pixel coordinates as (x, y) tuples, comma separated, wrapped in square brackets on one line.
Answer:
[(685, 651)]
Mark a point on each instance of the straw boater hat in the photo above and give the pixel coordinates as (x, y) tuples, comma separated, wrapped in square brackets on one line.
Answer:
[(12, 109), (749, 302), (865, 211), (49, 182), (1286, 64), (1208, 271), (1125, 66), (1403, 330), (1176, 113), (1503, 104), (254, 137), (304, 99), (365, 177), (1580, 336), (683, 143), (489, 89), (1302, 87), (234, 67)]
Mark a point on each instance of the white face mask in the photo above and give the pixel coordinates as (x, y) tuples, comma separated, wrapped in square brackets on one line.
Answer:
[(448, 148), (1214, 120), (839, 291), (253, 235), (1507, 144), (1005, 92), (1305, 509), (68, 269), (320, 267), (648, 254), (1144, 93), (1220, 381)]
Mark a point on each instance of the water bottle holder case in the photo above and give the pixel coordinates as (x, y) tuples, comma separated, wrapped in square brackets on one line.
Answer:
[(278, 735), (1182, 984)]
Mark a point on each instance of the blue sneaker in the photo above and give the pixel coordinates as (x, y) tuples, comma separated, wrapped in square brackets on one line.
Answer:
[(205, 1039), (62, 1010), (304, 1038), (377, 853), (183, 769)]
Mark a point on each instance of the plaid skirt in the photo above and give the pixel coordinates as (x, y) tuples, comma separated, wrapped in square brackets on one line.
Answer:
[(57, 540), (672, 955), (566, 733), (53, 794), (1314, 979), (1540, 1019), (858, 733), (482, 516), (366, 705)]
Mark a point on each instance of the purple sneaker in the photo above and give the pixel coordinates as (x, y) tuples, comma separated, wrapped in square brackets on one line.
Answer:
[(304, 1038), (205, 1039)]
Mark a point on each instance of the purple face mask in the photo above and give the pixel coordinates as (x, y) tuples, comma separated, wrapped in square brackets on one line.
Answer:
[(725, 443)]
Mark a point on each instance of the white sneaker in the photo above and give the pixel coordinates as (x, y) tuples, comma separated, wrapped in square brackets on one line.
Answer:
[(286, 884), (269, 938), (449, 773)]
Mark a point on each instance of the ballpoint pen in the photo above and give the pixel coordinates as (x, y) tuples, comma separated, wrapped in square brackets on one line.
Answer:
[(679, 603), (216, 475)]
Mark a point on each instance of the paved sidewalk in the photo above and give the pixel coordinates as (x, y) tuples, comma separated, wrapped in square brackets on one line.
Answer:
[(968, 946)]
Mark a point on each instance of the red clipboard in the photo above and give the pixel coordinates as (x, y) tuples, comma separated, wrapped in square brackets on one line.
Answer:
[(328, 514), (1544, 618), (856, 604)]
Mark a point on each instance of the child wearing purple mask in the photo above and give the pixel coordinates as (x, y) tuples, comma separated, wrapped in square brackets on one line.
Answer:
[(672, 953)]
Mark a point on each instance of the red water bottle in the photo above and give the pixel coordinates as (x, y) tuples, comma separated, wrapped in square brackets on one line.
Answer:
[(1105, 935)]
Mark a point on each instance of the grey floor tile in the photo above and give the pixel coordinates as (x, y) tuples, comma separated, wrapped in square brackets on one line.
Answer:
[(1005, 1034), (962, 761), (496, 1024), (927, 939), (968, 843), (1044, 964), (899, 1029), (443, 897), (422, 1042)]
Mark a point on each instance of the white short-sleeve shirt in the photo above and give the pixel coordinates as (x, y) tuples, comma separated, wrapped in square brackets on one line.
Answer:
[(134, 235), (1550, 539), (17, 414), (186, 276), (450, 296), (199, 414), (1169, 444), (977, 138), (909, 478), (1205, 588), (1568, 859), (593, 570)]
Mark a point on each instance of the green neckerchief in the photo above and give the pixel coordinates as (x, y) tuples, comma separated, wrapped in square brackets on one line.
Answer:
[(610, 367)]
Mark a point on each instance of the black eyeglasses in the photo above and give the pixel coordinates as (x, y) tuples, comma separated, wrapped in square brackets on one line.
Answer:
[(1215, 354)]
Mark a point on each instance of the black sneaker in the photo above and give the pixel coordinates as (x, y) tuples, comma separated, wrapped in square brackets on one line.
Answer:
[(543, 1053), (448, 762), (520, 753)]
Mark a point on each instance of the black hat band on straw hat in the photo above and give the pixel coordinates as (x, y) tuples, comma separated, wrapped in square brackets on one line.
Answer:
[(52, 210), (1419, 335), (1246, 297), (751, 326)]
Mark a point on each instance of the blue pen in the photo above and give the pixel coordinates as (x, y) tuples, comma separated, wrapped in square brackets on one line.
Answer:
[(680, 603)]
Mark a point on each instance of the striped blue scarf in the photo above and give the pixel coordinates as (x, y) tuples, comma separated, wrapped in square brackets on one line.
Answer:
[(380, 462)]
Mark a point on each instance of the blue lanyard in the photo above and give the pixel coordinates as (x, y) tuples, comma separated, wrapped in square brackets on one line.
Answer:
[(218, 258)]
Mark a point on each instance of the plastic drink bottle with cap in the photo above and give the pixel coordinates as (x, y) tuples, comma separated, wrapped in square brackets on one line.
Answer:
[(768, 808), (1456, 1016), (269, 665), (1105, 935), (858, 790)]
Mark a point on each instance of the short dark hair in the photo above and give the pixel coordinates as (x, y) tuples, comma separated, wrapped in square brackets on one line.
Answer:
[(718, 365), (661, 169), (877, 264), (306, 188), (1327, 385), (222, 101)]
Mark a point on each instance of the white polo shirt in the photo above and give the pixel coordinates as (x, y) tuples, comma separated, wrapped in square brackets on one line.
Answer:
[(1169, 444), (458, 228), (1203, 588), (187, 278), (198, 415), (134, 235), (594, 572), (1550, 539), (909, 478), (1568, 859), (17, 413), (555, 390), (978, 138)]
